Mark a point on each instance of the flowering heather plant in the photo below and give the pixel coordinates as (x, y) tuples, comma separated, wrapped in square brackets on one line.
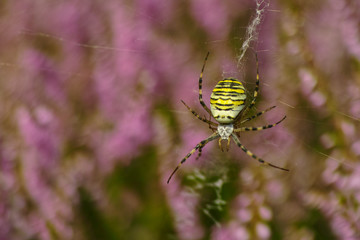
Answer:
[(91, 123)]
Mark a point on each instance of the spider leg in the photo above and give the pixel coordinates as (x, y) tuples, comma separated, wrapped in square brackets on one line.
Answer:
[(256, 90), (199, 145), (220, 145), (212, 128), (237, 141), (200, 148), (228, 144), (200, 151), (258, 128), (197, 115), (200, 86), (257, 115), (199, 154)]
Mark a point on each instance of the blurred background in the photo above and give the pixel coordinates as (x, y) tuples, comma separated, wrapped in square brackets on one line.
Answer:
[(91, 123)]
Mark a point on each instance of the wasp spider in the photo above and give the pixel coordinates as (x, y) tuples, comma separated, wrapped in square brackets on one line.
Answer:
[(227, 106)]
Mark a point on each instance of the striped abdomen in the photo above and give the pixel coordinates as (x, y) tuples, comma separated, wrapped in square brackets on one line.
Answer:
[(227, 100)]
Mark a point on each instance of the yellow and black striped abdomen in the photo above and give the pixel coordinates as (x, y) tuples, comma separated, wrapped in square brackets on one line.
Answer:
[(227, 100)]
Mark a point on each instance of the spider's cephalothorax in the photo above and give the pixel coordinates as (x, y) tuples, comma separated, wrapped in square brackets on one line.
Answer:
[(227, 104)]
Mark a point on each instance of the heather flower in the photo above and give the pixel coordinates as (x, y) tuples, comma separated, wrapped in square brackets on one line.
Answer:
[(184, 207), (91, 123)]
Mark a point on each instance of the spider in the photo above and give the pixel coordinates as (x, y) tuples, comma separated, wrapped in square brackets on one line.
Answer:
[(227, 106)]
